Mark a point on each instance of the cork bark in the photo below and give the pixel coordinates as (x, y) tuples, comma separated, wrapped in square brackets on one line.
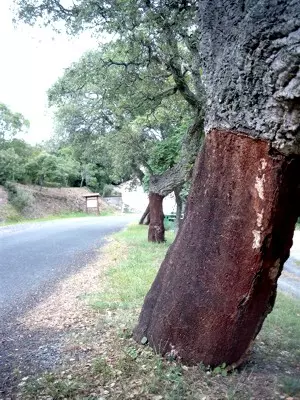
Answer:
[(218, 280), (250, 57)]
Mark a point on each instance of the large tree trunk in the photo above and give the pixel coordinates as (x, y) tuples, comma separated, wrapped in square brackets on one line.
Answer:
[(218, 281), (156, 231)]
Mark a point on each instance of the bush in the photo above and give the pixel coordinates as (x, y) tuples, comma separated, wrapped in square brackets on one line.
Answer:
[(53, 185), (110, 191), (22, 200), (9, 214), (18, 198), (10, 187)]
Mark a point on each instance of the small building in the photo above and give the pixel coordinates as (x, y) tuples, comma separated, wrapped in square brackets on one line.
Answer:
[(92, 202)]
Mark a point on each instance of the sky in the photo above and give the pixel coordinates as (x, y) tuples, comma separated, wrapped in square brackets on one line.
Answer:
[(32, 58)]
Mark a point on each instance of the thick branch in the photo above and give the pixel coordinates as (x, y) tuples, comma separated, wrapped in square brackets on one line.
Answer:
[(179, 76), (145, 215), (165, 183), (111, 62), (139, 173), (182, 86)]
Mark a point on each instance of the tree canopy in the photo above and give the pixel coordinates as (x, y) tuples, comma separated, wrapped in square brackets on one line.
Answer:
[(151, 60), (154, 36), (11, 122), (140, 125), (12, 151)]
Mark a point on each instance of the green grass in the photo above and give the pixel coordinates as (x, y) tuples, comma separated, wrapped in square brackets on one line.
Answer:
[(108, 212), (128, 281), (281, 329), (48, 386), (18, 219), (291, 386)]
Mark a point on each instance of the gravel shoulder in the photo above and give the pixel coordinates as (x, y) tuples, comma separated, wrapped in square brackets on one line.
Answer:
[(44, 269), (37, 340)]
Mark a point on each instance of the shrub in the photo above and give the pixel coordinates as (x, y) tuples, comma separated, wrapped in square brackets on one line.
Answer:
[(11, 188), (110, 191), (22, 200), (18, 198)]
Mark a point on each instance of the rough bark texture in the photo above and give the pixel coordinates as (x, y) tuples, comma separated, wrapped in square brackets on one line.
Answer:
[(250, 54), (218, 281), (156, 232)]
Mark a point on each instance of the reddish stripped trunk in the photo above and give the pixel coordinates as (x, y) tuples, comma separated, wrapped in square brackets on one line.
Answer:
[(218, 281), (156, 231)]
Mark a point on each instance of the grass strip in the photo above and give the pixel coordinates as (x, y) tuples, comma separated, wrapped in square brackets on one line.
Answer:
[(18, 219), (135, 264)]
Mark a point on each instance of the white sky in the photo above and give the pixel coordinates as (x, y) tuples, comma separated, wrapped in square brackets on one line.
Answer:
[(32, 59)]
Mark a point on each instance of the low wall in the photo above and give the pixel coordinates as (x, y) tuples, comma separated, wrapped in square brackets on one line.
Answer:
[(114, 201)]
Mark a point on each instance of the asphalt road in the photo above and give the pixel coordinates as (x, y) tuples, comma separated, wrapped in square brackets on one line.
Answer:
[(33, 256)]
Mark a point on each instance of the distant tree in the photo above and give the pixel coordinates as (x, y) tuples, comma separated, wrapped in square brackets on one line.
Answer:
[(156, 48), (10, 167), (12, 151), (91, 154), (10, 123), (40, 168), (48, 168), (68, 168)]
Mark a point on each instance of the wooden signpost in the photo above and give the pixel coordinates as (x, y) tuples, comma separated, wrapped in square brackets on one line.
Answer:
[(92, 202)]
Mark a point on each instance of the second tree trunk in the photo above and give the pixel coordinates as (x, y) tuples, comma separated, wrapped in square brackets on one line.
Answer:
[(156, 232)]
